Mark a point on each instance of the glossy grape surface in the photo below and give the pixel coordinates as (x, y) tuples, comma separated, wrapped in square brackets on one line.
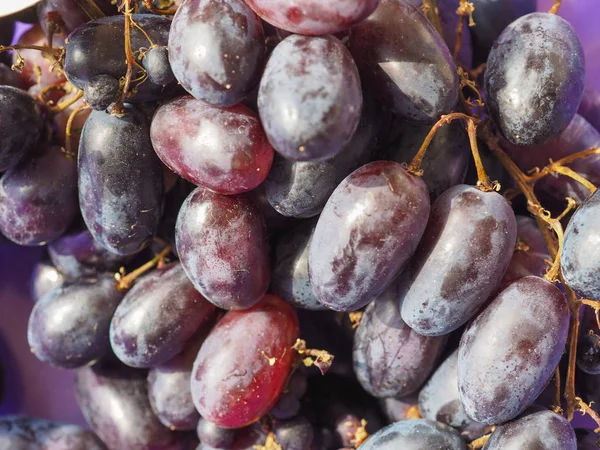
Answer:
[(232, 273), (418, 434), (390, 359), (588, 353), (20, 125), (38, 198), (244, 362), (120, 181), (366, 233), (310, 99), (529, 320), (214, 436), (157, 317), (408, 68), (69, 326), (44, 278), (222, 149), (217, 50), (460, 261), (158, 69), (580, 258), (534, 78), (295, 434), (545, 430)]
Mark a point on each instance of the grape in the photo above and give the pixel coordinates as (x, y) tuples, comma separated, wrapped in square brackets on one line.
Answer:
[(408, 68), (120, 181), (491, 18), (232, 273), (588, 353), (544, 430), (397, 409), (217, 50), (214, 436), (460, 261), (9, 77), (289, 279), (439, 398), (288, 405), (67, 13), (244, 362), (97, 48), (29, 433), (310, 99), (301, 188), (313, 17), (529, 320), (114, 401), (20, 126), (579, 259), (69, 326), (169, 387), (534, 78), (222, 149), (449, 21), (390, 359), (157, 317), (447, 157), (415, 435), (529, 261), (44, 278), (589, 107), (101, 91), (368, 230), (158, 69), (38, 198), (295, 434)]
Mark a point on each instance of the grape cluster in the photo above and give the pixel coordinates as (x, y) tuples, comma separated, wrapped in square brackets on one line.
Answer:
[(306, 225)]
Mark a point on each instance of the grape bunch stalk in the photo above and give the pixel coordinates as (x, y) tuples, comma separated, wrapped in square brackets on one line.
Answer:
[(306, 224)]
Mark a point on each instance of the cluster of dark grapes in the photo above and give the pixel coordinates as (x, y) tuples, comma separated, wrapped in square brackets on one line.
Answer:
[(232, 193)]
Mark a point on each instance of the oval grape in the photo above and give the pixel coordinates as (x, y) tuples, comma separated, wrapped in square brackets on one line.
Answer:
[(418, 434)]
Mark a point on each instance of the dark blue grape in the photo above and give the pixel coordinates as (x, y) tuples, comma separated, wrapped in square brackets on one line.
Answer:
[(215, 436), (120, 181), (544, 430), (526, 326), (101, 91), (44, 278), (217, 50), (310, 100), (588, 353), (69, 326), (534, 78), (38, 198), (418, 434), (156, 63), (295, 434)]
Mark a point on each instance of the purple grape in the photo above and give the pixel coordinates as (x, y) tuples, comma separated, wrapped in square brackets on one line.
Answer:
[(589, 107), (418, 434), (157, 317), (368, 230), (460, 261), (69, 326), (20, 126), (397, 409), (390, 359), (68, 13), (530, 321), (313, 17), (310, 99), (288, 405), (114, 401), (215, 436), (222, 149), (38, 198), (217, 50), (222, 244), (545, 430), (408, 68), (78, 254), (534, 78), (295, 434), (588, 352), (29, 433), (579, 260), (156, 63), (120, 181), (44, 278)]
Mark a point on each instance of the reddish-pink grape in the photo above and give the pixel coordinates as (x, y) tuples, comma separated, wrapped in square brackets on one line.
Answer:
[(222, 149), (244, 363)]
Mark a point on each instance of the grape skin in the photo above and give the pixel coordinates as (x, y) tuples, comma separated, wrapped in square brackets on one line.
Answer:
[(545, 430), (295, 434), (579, 260), (172, 311), (217, 50), (367, 231), (234, 380), (408, 68), (44, 278), (120, 181), (460, 261), (214, 436), (534, 78), (390, 359), (418, 434), (222, 149), (303, 88), (313, 17), (530, 321), (232, 273)]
